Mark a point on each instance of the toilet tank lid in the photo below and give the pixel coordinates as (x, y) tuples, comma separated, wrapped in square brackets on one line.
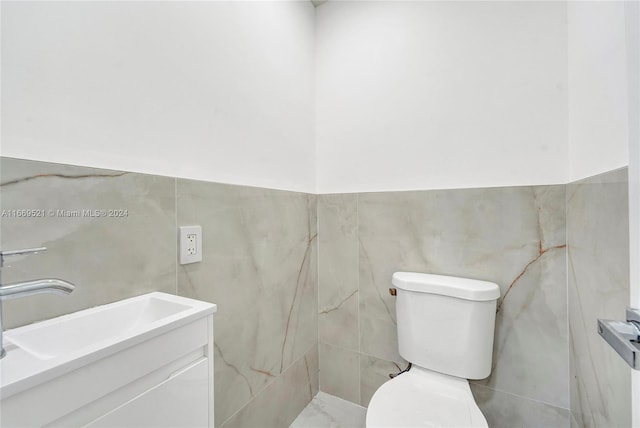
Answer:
[(462, 288)]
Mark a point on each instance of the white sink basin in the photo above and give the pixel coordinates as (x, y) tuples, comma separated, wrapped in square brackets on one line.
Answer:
[(71, 333), (44, 350)]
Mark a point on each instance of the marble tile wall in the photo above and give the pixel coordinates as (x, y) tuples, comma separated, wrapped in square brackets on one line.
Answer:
[(512, 236), (100, 255), (259, 266), (303, 308), (598, 255)]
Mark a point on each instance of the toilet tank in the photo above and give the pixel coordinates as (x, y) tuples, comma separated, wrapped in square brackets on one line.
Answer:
[(445, 323)]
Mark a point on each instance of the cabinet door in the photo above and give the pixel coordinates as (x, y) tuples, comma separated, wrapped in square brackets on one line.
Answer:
[(180, 401)]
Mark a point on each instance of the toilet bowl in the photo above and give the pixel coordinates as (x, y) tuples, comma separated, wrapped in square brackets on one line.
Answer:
[(445, 329), (423, 398)]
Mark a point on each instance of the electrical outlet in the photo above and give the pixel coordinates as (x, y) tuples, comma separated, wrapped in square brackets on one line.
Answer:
[(190, 244)]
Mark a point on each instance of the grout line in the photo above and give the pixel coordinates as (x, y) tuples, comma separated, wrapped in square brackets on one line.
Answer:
[(357, 250), (335, 397), (342, 348), (318, 282), (522, 397), (378, 358), (175, 230), (266, 385), (566, 270)]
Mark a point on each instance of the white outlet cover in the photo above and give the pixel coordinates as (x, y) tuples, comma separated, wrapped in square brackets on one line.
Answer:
[(187, 256)]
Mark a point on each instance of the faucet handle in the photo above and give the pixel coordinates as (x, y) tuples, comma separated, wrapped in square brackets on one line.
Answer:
[(35, 250)]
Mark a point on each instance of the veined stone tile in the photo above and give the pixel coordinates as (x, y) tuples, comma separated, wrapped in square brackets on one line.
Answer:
[(326, 411), (108, 258), (282, 400), (261, 261), (507, 411), (339, 372), (598, 237), (513, 236), (574, 422), (260, 267), (338, 268), (532, 323)]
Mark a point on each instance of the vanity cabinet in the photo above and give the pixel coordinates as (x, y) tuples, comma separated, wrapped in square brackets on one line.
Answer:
[(180, 401), (163, 379)]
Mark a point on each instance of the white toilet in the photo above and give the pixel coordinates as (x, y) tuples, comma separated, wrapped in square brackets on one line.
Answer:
[(445, 329)]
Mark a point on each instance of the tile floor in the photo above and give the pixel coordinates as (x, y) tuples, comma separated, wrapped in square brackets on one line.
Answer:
[(327, 411)]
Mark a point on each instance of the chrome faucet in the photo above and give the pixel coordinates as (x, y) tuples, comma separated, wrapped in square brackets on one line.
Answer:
[(28, 288)]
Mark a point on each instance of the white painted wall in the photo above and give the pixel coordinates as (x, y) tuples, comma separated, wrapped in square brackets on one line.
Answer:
[(424, 95), (410, 95), (218, 91), (597, 88)]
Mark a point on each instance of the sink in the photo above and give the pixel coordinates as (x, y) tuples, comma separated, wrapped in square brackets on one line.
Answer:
[(45, 350), (69, 334)]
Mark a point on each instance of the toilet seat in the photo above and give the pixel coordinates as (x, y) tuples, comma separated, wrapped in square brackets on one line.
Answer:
[(423, 398)]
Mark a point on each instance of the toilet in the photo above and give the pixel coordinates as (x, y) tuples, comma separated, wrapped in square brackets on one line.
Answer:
[(445, 330)]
